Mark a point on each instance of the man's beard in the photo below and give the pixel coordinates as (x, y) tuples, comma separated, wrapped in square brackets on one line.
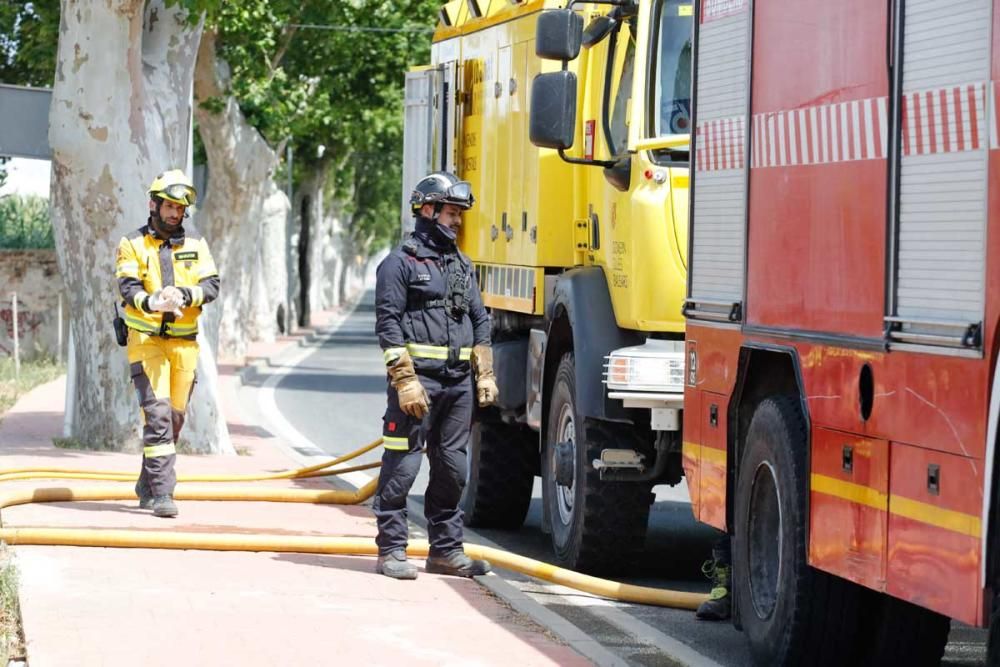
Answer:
[(163, 227)]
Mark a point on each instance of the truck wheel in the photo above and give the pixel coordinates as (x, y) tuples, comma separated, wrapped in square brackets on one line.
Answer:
[(597, 526), (993, 645), (791, 613), (895, 632), (501, 473)]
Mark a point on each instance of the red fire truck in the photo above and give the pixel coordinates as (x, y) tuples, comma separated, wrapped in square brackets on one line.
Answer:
[(843, 302)]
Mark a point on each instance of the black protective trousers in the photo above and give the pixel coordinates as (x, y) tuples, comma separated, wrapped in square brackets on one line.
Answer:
[(444, 431)]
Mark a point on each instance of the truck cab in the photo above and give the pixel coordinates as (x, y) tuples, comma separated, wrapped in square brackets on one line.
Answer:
[(572, 124)]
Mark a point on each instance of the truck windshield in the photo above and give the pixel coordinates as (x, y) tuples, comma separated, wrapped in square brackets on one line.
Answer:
[(671, 76)]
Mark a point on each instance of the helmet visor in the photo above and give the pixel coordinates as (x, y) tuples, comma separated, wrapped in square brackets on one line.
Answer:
[(460, 193), (180, 193)]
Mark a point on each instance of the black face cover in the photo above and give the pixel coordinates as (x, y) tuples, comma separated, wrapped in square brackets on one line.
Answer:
[(446, 232), (439, 235)]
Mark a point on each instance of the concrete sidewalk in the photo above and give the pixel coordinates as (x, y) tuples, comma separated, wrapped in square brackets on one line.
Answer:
[(96, 606)]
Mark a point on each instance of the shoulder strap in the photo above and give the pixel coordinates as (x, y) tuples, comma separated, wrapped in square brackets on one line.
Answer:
[(410, 247)]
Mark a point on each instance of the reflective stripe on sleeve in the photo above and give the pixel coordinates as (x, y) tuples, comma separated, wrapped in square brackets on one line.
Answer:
[(197, 295), (127, 270), (395, 443), (138, 299), (152, 451), (436, 351)]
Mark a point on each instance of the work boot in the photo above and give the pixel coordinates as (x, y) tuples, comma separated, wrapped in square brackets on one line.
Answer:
[(163, 506), (144, 495), (395, 565), (457, 564), (719, 605)]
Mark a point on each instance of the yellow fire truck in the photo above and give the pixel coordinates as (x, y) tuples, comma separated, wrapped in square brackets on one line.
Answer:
[(579, 241)]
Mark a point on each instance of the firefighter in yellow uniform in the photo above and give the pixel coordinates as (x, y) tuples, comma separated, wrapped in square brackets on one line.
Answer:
[(165, 275)]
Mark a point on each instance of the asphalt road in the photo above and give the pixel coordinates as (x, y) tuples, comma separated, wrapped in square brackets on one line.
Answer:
[(334, 397)]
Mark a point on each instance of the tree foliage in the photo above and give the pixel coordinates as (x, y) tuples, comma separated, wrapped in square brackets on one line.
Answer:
[(328, 77), (317, 73), (29, 35), (24, 222)]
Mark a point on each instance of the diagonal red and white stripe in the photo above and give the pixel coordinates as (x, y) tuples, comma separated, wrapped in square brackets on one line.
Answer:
[(721, 144), (842, 132), (994, 100), (717, 9), (945, 120)]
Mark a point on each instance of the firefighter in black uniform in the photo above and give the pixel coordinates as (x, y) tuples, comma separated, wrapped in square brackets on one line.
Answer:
[(435, 335)]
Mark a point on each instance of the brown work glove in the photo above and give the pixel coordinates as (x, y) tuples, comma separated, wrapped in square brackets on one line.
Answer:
[(412, 395), (486, 382)]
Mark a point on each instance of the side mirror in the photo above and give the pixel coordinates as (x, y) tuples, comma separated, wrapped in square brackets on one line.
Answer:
[(558, 34), (620, 173), (598, 29), (552, 121)]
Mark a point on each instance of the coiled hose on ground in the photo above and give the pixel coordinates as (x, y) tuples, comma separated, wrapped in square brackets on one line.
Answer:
[(90, 537)]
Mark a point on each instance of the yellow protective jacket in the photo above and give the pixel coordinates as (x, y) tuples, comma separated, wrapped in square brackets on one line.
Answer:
[(146, 263)]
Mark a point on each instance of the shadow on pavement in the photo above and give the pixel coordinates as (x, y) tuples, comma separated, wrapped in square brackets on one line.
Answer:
[(328, 383)]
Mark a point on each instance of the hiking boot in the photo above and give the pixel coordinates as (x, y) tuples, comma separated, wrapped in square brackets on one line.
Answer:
[(144, 495), (719, 605), (163, 506), (457, 564), (395, 565)]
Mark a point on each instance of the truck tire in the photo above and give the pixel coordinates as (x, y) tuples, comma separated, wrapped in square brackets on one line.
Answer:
[(896, 632), (597, 526), (993, 644), (791, 613), (502, 461)]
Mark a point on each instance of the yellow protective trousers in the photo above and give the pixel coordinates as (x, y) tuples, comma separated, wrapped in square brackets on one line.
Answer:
[(163, 372)]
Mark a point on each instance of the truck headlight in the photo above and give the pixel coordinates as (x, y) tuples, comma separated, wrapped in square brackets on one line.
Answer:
[(655, 366)]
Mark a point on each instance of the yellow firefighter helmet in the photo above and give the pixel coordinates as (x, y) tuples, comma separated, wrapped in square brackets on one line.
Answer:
[(175, 186)]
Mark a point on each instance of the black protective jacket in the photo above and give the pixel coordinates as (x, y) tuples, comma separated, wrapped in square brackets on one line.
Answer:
[(427, 301)]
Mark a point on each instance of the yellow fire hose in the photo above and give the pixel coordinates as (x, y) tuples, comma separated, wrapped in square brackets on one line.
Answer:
[(318, 470), (279, 543)]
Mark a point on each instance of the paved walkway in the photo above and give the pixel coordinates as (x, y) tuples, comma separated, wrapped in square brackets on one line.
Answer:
[(96, 606)]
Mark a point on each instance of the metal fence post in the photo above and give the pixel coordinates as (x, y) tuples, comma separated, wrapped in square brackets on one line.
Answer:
[(70, 413), (17, 350), (289, 323), (59, 329)]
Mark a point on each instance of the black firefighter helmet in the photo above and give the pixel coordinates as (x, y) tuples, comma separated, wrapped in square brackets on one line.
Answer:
[(441, 188)]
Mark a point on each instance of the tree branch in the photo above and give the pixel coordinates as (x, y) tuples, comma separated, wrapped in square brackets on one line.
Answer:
[(289, 33), (206, 84)]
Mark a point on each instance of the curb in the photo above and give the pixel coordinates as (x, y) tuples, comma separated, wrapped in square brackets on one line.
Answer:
[(251, 371)]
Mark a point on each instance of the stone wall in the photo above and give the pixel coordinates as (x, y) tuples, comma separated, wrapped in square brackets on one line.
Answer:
[(34, 276)]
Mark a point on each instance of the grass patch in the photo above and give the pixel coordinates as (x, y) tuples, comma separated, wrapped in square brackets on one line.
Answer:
[(74, 443), (33, 373), (185, 447), (11, 632)]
